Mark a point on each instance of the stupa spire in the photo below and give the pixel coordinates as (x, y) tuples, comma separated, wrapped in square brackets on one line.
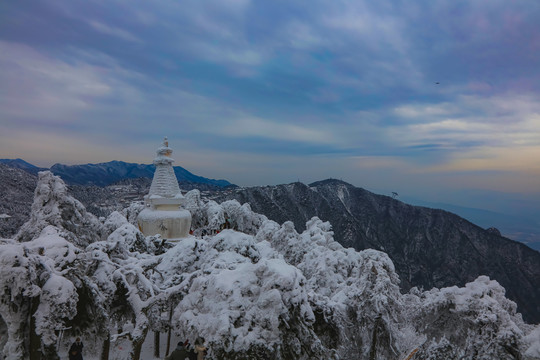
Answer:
[(164, 183)]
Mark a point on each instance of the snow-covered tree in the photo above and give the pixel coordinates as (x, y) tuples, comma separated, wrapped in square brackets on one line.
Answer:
[(53, 206), (241, 217), (123, 267), (40, 279), (255, 290), (246, 306), (356, 294), (209, 217), (20, 273)]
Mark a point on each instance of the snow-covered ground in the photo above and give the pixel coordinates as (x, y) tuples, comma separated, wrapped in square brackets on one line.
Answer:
[(258, 290)]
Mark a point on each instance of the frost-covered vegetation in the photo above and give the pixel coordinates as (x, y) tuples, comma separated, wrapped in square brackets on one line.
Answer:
[(252, 288)]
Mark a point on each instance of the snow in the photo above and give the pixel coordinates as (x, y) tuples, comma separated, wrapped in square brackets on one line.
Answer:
[(53, 206), (255, 290), (164, 183), (240, 300), (113, 222), (58, 301), (533, 343)]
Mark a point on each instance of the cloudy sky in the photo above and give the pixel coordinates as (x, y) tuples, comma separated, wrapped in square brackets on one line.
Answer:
[(434, 99)]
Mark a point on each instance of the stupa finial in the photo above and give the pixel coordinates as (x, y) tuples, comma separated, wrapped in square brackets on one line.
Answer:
[(164, 153)]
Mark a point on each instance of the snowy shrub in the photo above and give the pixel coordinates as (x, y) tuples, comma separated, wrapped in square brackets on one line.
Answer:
[(215, 216), (57, 252), (180, 261), (238, 246), (266, 232), (286, 241)]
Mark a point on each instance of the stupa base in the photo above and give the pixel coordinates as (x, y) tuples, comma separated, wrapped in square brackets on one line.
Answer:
[(170, 224)]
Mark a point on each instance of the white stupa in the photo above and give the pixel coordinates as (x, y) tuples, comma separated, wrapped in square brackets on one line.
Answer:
[(163, 213)]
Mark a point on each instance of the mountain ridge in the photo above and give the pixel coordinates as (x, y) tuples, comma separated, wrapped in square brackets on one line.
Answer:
[(103, 174)]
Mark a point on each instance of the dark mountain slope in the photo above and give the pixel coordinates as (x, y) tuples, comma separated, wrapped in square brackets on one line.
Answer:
[(429, 247), (16, 195)]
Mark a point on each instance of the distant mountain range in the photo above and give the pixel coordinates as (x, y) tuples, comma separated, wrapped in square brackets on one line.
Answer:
[(108, 173), (429, 247)]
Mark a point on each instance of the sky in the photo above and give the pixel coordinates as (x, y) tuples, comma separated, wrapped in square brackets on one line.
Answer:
[(433, 99)]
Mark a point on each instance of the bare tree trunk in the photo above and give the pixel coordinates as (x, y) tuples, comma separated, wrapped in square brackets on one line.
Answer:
[(35, 340), (137, 346), (169, 332), (168, 341), (156, 343), (373, 348), (106, 348)]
